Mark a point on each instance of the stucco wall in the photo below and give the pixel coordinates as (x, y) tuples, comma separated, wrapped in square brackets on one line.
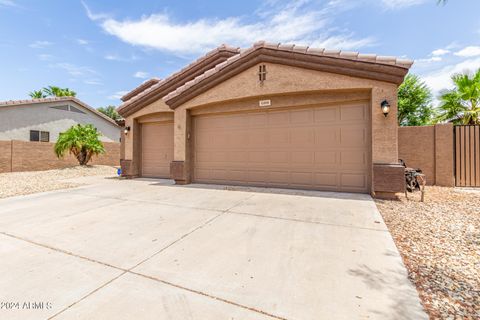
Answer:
[(287, 79), (17, 121), (416, 146), (429, 148), (32, 156)]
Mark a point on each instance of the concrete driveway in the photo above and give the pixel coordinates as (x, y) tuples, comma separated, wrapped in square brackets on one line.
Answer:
[(147, 249)]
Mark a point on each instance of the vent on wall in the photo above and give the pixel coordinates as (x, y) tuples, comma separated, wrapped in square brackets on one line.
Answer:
[(68, 108)]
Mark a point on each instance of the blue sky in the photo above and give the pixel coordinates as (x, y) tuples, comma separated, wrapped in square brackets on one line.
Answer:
[(102, 49)]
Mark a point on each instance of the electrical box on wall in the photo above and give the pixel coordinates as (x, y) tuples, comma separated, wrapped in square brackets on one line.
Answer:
[(265, 103)]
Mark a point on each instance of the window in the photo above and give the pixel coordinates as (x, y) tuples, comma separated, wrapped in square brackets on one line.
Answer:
[(262, 73), (44, 136), (36, 135)]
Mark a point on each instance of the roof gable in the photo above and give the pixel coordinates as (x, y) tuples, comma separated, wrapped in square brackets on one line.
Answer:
[(161, 88), (58, 99), (387, 69)]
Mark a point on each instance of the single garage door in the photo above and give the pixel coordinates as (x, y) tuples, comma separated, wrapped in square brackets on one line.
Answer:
[(157, 149), (322, 148)]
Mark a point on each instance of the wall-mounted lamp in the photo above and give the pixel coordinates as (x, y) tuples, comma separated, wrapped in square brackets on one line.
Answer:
[(385, 107), (126, 130)]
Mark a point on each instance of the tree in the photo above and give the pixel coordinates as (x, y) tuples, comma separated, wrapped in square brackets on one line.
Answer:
[(37, 94), (54, 91), (81, 141), (414, 102), (110, 111), (461, 105)]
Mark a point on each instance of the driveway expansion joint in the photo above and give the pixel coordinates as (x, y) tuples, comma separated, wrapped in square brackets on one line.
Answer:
[(305, 221)]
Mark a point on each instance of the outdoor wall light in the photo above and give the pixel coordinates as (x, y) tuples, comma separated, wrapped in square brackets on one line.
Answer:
[(126, 130), (385, 107)]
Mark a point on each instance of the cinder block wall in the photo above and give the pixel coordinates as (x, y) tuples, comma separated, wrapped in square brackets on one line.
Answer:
[(5, 156), (429, 148), (18, 156)]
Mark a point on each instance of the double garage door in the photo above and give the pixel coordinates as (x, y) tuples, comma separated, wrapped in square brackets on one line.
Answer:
[(322, 148)]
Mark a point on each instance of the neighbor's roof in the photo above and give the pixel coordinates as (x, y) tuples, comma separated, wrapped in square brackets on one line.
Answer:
[(389, 68), (150, 93), (56, 99)]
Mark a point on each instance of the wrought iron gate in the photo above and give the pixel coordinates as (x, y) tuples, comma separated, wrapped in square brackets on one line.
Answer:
[(467, 155)]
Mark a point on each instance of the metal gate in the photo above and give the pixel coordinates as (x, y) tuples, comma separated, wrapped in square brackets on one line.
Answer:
[(467, 155)]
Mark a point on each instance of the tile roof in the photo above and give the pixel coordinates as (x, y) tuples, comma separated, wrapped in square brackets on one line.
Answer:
[(160, 84), (144, 85), (56, 99), (339, 54)]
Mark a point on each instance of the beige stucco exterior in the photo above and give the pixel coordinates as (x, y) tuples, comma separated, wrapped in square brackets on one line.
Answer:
[(284, 86), (285, 79)]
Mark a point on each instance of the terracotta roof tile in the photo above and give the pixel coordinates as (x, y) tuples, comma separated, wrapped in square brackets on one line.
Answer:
[(143, 86), (347, 55), (161, 83)]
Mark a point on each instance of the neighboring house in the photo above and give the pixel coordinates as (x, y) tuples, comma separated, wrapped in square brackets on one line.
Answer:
[(271, 115), (44, 119)]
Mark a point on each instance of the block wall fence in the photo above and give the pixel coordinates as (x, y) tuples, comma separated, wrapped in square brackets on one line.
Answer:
[(430, 148), (18, 156)]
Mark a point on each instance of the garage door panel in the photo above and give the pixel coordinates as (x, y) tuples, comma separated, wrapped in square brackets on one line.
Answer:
[(303, 158), (326, 180), (309, 148), (326, 137), (323, 158), (278, 119), (157, 149), (355, 112), (353, 181), (302, 137), (302, 117), (353, 136), (278, 137), (325, 115)]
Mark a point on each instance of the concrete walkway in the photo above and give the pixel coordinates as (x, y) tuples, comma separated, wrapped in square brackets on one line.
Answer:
[(147, 249)]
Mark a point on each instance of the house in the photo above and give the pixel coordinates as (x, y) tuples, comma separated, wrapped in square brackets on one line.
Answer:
[(44, 119), (271, 115)]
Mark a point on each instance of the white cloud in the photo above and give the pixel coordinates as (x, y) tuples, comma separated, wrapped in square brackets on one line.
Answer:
[(141, 74), (297, 22), (399, 4), (7, 3), (117, 95), (471, 51), (112, 57), (82, 42), (40, 44), (93, 16), (94, 82), (441, 78), (45, 57), (74, 70), (427, 61), (440, 52)]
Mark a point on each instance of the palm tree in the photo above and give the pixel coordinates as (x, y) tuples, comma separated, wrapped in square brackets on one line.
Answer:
[(54, 91), (81, 141), (37, 94), (110, 111), (461, 105)]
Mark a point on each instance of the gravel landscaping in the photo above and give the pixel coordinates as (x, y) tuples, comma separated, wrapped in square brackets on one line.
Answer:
[(21, 183), (439, 241)]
